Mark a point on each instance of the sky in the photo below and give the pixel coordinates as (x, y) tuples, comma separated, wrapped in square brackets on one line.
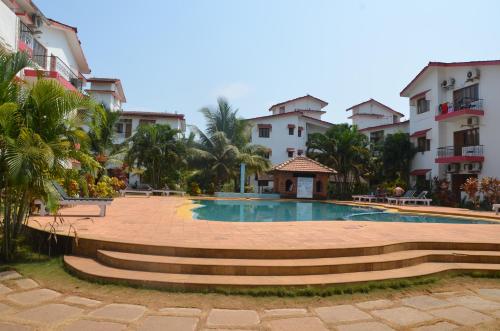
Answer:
[(180, 55)]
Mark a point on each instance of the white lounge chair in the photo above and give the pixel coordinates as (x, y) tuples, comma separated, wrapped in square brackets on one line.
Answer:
[(396, 200), (66, 200), (496, 208), (422, 197), (168, 192), (144, 189)]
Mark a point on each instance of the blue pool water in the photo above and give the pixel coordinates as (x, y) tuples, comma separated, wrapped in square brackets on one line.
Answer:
[(282, 211)]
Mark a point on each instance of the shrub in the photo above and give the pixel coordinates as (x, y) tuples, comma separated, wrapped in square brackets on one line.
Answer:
[(194, 189), (471, 188)]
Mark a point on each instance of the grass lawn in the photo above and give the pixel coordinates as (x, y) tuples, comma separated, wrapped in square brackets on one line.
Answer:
[(50, 273)]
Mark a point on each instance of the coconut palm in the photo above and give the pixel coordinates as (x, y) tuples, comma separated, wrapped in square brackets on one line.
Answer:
[(40, 129)]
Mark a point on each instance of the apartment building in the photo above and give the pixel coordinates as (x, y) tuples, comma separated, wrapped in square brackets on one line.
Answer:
[(53, 46), (285, 132), (107, 91), (376, 120), (454, 117)]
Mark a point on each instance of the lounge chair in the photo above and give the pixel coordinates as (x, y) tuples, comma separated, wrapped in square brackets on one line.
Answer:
[(66, 200), (496, 208), (140, 189), (365, 197), (422, 197), (396, 200), (167, 191)]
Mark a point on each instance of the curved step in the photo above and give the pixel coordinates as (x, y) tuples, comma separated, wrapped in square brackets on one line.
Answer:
[(91, 269), (89, 247), (276, 267)]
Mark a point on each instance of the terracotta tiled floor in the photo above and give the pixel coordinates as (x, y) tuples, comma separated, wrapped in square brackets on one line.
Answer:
[(168, 221)]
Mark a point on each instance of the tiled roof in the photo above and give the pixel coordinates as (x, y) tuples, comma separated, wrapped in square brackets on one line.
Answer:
[(322, 102), (303, 164), (378, 103)]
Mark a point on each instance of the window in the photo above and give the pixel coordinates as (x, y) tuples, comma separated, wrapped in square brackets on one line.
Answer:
[(376, 136), (290, 153), (300, 152), (423, 144), (395, 119), (282, 110), (319, 186), (124, 127), (143, 121), (299, 132), (267, 155), (288, 185), (463, 97), (423, 105), (264, 132), (291, 131)]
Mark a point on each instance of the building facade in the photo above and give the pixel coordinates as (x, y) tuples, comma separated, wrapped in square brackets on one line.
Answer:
[(285, 132), (376, 120), (454, 116)]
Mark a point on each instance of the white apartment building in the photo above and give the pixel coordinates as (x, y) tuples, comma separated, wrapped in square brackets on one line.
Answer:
[(285, 131), (454, 118), (107, 91), (53, 46), (376, 120)]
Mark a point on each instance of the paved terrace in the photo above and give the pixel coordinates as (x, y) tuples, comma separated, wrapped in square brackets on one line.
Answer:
[(168, 221), (24, 306)]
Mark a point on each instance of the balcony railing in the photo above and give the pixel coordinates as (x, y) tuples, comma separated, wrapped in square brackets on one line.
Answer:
[(26, 35), (466, 103), (55, 64), (450, 151)]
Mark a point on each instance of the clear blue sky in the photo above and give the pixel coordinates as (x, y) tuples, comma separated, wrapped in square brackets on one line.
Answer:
[(180, 55)]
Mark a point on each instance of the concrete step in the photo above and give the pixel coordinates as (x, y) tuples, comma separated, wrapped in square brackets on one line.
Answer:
[(280, 267), (91, 269)]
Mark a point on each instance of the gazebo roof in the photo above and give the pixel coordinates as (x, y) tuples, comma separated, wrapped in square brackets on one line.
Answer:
[(303, 164)]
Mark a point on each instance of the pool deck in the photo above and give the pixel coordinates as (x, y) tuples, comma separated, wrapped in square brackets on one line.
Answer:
[(167, 221)]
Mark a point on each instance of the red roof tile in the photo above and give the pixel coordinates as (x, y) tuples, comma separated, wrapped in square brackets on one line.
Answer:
[(303, 164)]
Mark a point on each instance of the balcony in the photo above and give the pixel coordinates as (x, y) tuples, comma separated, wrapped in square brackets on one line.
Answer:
[(467, 107), (457, 154), (53, 67), (25, 43)]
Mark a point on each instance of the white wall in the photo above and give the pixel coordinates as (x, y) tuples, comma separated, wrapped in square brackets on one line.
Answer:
[(9, 27), (174, 123), (363, 121), (302, 104), (57, 44)]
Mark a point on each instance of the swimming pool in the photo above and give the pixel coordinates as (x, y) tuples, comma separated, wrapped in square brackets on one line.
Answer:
[(284, 211)]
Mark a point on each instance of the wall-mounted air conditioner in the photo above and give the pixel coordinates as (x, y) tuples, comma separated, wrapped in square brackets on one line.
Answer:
[(473, 74), (448, 83), (473, 121), (453, 167)]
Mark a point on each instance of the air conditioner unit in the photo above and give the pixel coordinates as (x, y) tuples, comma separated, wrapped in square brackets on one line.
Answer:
[(473, 121), (473, 74), (37, 21), (476, 167), (448, 83), (453, 167)]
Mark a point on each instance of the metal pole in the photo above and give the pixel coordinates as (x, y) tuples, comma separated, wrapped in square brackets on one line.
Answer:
[(242, 177)]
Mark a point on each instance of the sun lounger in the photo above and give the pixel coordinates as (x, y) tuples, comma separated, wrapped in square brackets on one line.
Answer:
[(396, 200), (419, 198), (168, 192), (496, 208), (66, 200), (144, 189)]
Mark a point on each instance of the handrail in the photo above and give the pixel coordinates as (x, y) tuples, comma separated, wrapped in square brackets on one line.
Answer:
[(465, 103), (473, 150)]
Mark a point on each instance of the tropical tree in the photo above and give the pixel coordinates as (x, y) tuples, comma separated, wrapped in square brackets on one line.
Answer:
[(343, 148), (397, 152), (158, 149), (225, 119)]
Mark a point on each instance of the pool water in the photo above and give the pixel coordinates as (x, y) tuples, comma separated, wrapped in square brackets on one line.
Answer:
[(283, 211)]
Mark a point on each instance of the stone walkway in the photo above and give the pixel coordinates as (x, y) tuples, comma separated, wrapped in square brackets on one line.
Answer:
[(26, 306)]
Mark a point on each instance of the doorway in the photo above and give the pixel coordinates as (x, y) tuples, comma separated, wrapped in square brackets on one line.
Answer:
[(457, 180)]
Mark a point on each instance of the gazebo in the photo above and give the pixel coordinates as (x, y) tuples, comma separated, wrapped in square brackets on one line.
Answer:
[(301, 177)]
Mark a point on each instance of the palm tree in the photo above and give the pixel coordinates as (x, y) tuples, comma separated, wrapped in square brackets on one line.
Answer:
[(224, 119), (40, 127), (344, 149), (158, 149)]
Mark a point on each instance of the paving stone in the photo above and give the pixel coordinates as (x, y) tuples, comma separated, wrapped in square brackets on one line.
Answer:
[(121, 312), (181, 311), (14, 327), (26, 283), (50, 313), (82, 301), (493, 293), (475, 302), (33, 297), (425, 302), (462, 315), (10, 274), (232, 318), (403, 316), (441, 326), (341, 313), (375, 304), (297, 324), (496, 314), (365, 326), (88, 325), (3, 308), (168, 323), (285, 312), (4, 289)]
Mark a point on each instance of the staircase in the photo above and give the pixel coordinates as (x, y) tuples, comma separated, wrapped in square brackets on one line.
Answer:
[(186, 267)]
